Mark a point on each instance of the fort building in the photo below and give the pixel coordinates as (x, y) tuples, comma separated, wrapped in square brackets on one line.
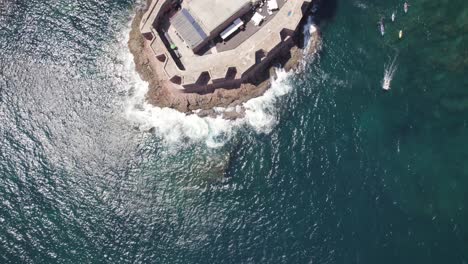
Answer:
[(218, 43)]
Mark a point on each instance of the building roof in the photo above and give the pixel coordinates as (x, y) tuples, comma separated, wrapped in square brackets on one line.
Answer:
[(188, 28), (212, 13)]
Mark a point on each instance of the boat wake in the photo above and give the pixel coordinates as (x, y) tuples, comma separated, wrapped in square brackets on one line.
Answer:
[(389, 71)]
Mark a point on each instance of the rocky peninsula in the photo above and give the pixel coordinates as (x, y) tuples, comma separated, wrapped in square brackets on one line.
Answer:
[(154, 50)]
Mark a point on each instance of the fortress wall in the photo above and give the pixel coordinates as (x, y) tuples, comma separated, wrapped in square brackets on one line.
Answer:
[(252, 75), (152, 16), (257, 71)]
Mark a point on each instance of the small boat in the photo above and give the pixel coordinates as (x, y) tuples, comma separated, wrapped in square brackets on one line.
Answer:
[(400, 34), (393, 17), (382, 26), (405, 7), (389, 71), (386, 84)]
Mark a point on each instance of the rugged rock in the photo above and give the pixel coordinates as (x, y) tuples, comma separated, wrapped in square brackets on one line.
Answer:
[(202, 104)]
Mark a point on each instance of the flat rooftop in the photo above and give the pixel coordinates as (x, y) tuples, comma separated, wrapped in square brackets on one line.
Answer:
[(249, 29), (212, 13), (240, 51)]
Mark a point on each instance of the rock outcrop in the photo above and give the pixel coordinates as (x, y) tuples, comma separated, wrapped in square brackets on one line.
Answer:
[(203, 104)]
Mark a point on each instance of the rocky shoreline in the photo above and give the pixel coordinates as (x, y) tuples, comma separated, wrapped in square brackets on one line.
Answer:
[(161, 95)]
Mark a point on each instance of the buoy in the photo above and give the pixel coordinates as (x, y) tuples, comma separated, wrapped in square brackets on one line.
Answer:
[(400, 34)]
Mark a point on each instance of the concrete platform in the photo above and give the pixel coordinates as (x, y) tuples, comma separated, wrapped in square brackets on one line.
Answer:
[(241, 52), (250, 29)]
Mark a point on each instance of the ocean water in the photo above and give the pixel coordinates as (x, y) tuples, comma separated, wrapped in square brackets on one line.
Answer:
[(325, 168)]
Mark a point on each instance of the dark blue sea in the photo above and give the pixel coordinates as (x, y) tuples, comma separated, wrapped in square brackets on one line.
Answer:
[(325, 168)]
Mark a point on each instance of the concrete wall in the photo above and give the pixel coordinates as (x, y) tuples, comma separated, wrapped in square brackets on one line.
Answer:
[(249, 69), (153, 15), (251, 75)]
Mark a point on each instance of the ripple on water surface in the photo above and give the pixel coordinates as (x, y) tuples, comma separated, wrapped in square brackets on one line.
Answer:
[(340, 172)]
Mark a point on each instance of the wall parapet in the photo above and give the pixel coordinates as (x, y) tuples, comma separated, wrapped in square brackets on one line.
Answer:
[(272, 37)]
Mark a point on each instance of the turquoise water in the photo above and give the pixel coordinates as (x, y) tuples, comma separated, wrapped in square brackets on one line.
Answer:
[(348, 173)]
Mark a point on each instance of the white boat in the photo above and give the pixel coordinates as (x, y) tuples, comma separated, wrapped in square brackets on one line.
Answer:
[(393, 17), (386, 84), (389, 71), (382, 27), (405, 7)]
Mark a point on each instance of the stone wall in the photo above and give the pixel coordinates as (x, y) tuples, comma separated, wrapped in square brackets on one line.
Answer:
[(202, 102)]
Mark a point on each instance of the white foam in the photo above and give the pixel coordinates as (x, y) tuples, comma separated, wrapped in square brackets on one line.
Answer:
[(389, 71), (176, 128), (360, 4), (261, 111), (173, 126), (306, 32)]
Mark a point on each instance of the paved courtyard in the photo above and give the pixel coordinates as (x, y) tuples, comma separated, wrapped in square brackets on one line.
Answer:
[(250, 29)]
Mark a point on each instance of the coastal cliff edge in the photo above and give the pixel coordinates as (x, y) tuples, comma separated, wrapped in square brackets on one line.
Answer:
[(203, 104)]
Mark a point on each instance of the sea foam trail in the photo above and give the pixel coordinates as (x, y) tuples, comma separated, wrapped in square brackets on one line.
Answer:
[(175, 127), (261, 111), (389, 71)]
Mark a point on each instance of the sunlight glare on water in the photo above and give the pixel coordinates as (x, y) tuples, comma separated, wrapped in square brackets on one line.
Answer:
[(325, 167)]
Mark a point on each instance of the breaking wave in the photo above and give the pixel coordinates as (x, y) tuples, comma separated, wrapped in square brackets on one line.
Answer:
[(175, 127)]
